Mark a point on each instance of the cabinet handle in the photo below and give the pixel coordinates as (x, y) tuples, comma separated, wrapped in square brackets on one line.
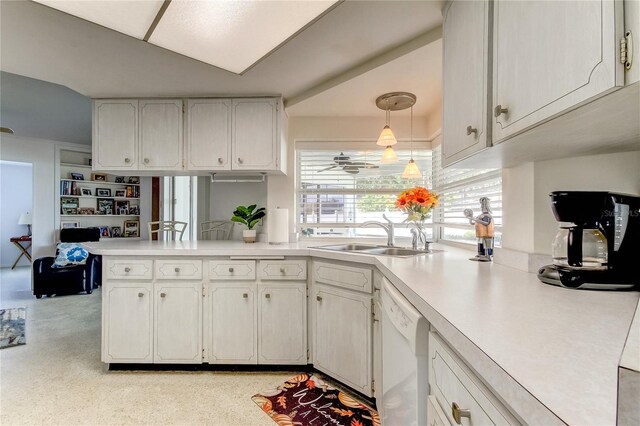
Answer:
[(319, 298), (163, 295), (472, 130), (283, 270), (267, 296), (458, 413), (239, 160), (177, 270), (230, 269), (127, 269), (146, 161), (220, 160), (245, 295), (127, 160), (499, 110), (140, 294)]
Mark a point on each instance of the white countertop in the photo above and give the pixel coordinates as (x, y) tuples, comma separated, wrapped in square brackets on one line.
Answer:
[(550, 353)]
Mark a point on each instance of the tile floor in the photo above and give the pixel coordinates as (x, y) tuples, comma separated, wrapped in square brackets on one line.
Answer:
[(57, 377)]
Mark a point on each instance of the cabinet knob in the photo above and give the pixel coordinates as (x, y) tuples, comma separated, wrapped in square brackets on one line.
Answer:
[(245, 295), (220, 160), (230, 269), (267, 296), (458, 413), (127, 160), (283, 270), (319, 298), (472, 130), (140, 294), (163, 294), (239, 160), (176, 270), (127, 269), (146, 161), (499, 110)]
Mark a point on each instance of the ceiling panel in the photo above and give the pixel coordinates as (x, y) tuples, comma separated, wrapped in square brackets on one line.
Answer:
[(230, 34), (131, 17)]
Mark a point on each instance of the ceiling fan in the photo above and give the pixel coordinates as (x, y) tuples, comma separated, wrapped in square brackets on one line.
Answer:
[(351, 167)]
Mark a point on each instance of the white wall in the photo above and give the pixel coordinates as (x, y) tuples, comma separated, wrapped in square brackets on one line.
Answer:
[(225, 197), (15, 199)]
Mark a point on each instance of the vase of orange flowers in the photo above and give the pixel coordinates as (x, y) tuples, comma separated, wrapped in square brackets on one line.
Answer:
[(417, 203)]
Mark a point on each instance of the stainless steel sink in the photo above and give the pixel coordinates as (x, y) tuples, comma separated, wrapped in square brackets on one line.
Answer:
[(348, 247), (375, 250)]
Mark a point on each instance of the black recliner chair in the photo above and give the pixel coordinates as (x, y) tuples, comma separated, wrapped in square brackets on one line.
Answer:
[(70, 279)]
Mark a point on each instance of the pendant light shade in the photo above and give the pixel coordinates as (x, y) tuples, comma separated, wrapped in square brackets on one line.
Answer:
[(411, 171), (387, 138), (389, 156)]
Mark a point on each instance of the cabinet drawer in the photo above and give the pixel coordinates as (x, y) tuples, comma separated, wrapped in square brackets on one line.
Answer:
[(173, 269), (125, 269), (453, 383), (435, 415), (232, 270), (350, 277), (283, 270)]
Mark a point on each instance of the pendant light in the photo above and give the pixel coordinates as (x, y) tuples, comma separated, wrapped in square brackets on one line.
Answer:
[(387, 138), (411, 171), (389, 156), (394, 101)]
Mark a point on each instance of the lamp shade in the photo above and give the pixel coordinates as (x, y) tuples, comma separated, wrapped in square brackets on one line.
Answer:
[(389, 156), (411, 171), (25, 219), (386, 137)]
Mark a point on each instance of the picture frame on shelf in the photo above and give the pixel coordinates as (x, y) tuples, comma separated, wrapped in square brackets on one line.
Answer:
[(131, 228), (103, 192), (86, 192), (134, 179), (105, 232), (122, 207), (69, 205), (105, 206), (119, 179), (100, 177), (76, 176), (121, 193), (68, 224), (134, 210), (116, 232), (86, 211)]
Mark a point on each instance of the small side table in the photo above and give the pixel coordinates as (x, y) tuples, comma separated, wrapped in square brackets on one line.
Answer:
[(24, 244)]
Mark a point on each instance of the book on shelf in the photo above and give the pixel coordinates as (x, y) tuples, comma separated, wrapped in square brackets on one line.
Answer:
[(68, 188), (133, 191)]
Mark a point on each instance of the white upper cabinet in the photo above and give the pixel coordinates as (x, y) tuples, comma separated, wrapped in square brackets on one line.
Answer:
[(208, 134), (550, 56), (466, 61), (255, 131), (115, 134), (161, 134)]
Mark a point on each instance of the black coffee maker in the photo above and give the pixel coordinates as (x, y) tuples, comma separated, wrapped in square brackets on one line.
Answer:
[(598, 243)]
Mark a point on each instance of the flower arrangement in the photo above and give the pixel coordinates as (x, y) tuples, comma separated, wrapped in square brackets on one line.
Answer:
[(417, 203)]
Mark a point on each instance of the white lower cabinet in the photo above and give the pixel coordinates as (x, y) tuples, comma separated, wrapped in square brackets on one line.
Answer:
[(435, 415), (343, 334), (127, 317), (178, 323), (282, 325), (232, 323)]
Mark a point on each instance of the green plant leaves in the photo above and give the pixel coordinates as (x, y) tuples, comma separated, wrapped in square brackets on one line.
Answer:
[(247, 216)]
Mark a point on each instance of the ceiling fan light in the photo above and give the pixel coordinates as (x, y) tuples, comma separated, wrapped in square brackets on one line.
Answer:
[(411, 171), (389, 156), (386, 137)]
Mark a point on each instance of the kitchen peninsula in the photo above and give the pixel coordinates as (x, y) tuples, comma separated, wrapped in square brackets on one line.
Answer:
[(535, 347)]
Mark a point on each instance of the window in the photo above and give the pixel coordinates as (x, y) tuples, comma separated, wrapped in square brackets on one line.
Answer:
[(339, 190), (462, 189)]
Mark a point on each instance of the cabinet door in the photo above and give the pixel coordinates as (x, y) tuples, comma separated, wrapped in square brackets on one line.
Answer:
[(465, 78), (254, 134), (115, 134), (127, 317), (208, 144), (232, 324), (343, 336), (550, 56), (282, 323), (178, 323), (161, 134)]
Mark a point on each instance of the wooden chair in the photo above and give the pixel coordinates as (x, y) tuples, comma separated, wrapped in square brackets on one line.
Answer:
[(172, 227), (216, 230)]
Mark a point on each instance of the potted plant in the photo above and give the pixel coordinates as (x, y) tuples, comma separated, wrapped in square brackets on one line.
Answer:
[(248, 216)]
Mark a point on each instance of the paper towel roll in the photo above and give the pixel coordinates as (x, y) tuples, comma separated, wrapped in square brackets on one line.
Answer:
[(278, 226)]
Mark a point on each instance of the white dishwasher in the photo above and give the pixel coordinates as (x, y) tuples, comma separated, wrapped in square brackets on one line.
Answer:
[(405, 336)]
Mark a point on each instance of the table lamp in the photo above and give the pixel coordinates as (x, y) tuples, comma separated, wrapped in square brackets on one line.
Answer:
[(25, 219)]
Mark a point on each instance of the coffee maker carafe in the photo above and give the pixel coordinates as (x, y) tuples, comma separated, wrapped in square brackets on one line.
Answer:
[(598, 241)]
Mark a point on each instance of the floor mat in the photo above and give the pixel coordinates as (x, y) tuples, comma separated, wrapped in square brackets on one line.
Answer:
[(12, 323), (307, 399)]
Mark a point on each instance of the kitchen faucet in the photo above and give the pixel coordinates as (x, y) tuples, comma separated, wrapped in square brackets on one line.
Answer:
[(389, 228), (419, 238)]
